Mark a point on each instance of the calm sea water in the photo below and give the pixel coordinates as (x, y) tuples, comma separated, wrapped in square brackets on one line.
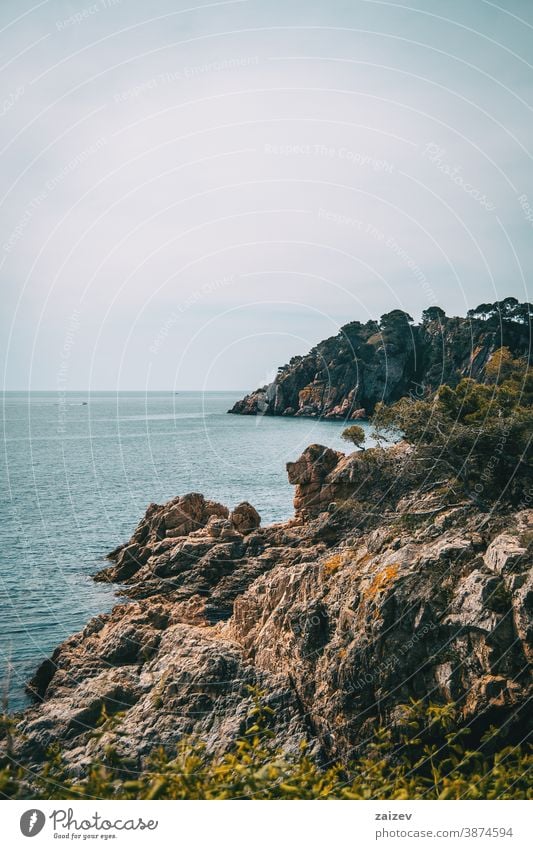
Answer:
[(78, 472)]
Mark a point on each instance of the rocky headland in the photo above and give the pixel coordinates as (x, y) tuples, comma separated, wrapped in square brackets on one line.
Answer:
[(345, 376)]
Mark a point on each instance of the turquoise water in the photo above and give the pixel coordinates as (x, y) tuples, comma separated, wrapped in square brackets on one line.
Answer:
[(79, 470)]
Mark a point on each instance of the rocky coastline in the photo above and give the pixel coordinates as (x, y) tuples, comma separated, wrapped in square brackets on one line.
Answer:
[(368, 597), (403, 577)]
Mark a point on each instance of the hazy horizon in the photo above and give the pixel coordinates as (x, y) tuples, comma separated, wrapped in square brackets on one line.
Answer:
[(96, 391), (190, 197)]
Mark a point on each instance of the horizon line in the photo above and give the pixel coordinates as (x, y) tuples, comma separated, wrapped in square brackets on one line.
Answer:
[(146, 391)]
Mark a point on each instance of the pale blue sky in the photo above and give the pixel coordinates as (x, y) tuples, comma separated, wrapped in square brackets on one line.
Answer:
[(191, 193)]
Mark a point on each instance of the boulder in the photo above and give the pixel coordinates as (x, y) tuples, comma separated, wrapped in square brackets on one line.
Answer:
[(245, 518)]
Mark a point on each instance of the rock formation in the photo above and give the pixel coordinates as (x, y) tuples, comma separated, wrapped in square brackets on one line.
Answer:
[(345, 376), (369, 596)]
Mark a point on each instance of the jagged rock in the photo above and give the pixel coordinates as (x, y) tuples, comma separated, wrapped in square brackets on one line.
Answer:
[(322, 476), (337, 625), (215, 526), (505, 554), (245, 518), (158, 533)]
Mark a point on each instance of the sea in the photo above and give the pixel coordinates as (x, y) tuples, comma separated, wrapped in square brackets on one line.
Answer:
[(78, 470)]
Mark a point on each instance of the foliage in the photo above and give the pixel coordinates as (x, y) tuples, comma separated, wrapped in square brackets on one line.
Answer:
[(503, 369), (507, 310), (395, 319), (476, 435), (433, 314), (427, 759), (354, 434)]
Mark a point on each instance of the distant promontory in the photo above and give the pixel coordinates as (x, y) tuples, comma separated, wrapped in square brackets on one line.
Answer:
[(345, 376)]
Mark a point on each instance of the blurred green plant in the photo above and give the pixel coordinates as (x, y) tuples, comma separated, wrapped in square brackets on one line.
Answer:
[(427, 758)]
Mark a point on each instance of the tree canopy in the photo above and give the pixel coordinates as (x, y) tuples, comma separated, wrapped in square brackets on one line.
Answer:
[(395, 319), (433, 314), (509, 309)]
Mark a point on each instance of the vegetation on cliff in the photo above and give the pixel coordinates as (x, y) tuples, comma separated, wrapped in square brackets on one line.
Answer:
[(429, 758), (355, 435), (476, 436), (345, 376)]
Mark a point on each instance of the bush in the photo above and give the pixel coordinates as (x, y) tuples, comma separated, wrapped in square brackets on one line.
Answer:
[(354, 434), (475, 435), (428, 759)]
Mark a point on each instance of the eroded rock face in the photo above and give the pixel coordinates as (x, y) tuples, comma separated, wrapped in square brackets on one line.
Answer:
[(337, 624), (158, 529), (325, 478)]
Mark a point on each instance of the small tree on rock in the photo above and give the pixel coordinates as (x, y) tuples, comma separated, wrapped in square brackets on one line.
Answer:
[(356, 435)]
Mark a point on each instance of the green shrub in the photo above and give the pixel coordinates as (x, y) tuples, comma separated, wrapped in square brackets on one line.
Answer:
[(428, 759), (475, 435)]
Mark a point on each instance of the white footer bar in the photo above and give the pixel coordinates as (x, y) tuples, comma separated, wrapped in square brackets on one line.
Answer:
[(254, 825)]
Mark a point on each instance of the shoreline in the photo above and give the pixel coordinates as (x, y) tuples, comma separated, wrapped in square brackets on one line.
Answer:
[(217, 604)]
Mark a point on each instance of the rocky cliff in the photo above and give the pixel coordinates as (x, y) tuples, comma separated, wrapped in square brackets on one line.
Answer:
[(369, 596), (345, 376)]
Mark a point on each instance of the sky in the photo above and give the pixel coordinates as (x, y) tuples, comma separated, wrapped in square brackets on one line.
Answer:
[(193, 192)]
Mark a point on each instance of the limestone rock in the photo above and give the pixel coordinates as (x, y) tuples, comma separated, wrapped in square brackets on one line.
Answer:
[(505, 554)]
